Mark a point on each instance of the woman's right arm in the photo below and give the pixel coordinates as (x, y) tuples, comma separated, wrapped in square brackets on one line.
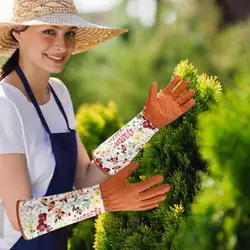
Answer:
[(38, 216), (14, 177), (14, 184)]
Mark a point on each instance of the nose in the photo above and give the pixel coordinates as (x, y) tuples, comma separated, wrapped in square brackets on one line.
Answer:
[(61, 45)]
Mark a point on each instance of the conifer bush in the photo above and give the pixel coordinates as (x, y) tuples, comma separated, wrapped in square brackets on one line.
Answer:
[(173, 152), (220, 217)]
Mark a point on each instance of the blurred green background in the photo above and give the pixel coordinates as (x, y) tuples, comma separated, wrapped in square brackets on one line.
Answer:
[(212, 34)]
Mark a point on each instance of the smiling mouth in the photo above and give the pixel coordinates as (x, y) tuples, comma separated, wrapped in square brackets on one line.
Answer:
[(55, 58)]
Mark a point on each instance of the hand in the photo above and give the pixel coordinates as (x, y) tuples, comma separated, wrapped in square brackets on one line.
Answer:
[(118, 195), (164, 107)]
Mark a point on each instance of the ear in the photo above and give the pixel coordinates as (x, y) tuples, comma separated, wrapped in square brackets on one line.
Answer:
[(16, 34), (17, 31)]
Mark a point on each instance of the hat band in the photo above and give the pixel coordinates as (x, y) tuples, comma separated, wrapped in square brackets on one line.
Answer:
[(30, 10)]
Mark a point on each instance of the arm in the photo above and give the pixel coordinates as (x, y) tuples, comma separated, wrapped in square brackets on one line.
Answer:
[(119, 150), (161, 109), (14, 177), (14, 184), (38, 216)]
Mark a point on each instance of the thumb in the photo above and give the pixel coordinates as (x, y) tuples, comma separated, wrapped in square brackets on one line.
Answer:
[(152, 96), (128, 170)]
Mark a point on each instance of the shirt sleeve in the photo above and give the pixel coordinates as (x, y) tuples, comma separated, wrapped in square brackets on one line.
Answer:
[(67, 104), (11, 135)]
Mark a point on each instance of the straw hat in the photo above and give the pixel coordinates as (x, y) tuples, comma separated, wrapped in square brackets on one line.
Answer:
[(53, 12)]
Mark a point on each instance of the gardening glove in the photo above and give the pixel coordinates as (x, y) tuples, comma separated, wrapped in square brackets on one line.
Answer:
[(118, 195), (160, 109), (39, 216), (166, 106)]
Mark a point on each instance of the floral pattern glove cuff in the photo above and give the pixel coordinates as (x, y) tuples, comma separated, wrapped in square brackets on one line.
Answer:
[(120, 149), (38, 216)]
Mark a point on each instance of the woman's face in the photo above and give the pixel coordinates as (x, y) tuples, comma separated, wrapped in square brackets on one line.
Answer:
[(47, 47)]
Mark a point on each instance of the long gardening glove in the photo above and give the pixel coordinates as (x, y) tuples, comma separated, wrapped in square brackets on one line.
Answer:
[(39, 216), (161, 109)]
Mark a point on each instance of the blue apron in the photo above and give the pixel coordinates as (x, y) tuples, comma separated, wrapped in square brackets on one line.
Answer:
[(64, 147)]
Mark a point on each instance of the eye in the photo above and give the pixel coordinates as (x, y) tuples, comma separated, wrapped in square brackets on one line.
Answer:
[(49, 32), (71, 33)]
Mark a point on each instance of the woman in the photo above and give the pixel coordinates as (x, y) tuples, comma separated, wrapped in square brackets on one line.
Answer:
[(41, 155)]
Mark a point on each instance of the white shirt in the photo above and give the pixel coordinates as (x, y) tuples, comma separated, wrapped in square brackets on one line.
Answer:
[(21, 131)]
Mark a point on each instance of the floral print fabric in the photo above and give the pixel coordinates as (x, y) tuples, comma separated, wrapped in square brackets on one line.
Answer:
[(38, 216), (119, 150)]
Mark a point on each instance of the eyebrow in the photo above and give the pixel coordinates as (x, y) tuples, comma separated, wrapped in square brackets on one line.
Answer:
[(57, 27)]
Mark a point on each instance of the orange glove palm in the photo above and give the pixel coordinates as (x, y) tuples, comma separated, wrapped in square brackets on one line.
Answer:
[(118, 195), (164, 107)]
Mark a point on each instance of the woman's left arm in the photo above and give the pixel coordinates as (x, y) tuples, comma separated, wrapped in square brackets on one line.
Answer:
[(117, 151), (87, 174)]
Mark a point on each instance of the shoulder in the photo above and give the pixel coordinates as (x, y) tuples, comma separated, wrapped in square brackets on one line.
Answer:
[(62, 89), (57, 83), (59, 87), (8, 108)]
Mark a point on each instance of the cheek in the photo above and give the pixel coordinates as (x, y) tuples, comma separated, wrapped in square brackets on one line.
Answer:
[(43, 43), (37, 45)]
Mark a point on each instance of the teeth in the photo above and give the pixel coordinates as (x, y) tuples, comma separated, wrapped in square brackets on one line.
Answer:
[(55, 58)]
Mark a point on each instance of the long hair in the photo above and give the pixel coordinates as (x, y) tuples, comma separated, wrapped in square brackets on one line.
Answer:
[(12, 62)]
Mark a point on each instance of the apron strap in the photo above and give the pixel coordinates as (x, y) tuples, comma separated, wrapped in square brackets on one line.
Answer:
[(32, 97)]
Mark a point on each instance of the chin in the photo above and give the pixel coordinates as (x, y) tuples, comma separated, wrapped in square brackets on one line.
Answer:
[(56, 71), (51, 69)]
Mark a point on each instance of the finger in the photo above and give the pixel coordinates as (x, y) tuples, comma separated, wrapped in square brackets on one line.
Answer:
[(148, 194), (148, 183), (184, 108), (155, 199), (128, 170), (186, 96), (171, 85), (150, 206), (180, 89), (152, 96)]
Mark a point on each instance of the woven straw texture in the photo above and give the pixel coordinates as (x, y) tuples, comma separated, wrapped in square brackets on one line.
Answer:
[(54, 12)]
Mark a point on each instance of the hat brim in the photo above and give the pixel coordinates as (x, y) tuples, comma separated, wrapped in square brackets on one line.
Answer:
[(88, 35)]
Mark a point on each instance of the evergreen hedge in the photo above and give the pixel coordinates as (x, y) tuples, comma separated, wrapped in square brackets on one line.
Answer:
[(220, 217)]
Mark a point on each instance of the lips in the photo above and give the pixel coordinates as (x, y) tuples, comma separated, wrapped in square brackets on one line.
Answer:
[(55, 58)]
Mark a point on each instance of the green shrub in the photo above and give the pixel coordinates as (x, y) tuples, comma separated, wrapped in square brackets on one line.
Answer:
[(172, 152), (221, 214)]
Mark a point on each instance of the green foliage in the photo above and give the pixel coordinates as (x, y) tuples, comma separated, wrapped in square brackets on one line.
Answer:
[(221, 214), (82, 236), (96, 123), (172, 152)]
